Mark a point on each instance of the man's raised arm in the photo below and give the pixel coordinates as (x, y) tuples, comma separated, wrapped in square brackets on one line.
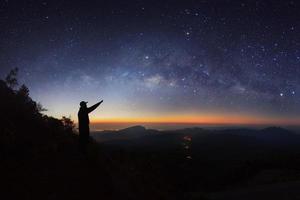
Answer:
[(90, 109)]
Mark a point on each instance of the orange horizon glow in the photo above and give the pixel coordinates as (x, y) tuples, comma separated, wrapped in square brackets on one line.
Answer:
[(198, 119)]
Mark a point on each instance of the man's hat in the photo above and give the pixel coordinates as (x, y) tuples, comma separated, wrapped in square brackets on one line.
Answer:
[(83, 103)]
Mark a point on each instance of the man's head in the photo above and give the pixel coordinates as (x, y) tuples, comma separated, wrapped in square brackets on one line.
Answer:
[(83, 104)]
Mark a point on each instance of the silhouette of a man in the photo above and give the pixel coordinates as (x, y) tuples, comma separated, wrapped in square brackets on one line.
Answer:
[(83, 119)]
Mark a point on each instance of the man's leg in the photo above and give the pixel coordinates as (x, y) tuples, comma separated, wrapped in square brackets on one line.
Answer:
[(84, 139), (81, 141), (84, 143)]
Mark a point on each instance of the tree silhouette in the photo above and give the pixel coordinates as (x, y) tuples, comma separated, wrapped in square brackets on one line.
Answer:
[(21, 115), (11, 78), (23, 91), (68, 124)]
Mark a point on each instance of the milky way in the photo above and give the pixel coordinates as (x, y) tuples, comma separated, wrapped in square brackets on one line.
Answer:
[(155, 60)]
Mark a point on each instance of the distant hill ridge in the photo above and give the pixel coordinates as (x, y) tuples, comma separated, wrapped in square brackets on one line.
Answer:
[(269, 134)]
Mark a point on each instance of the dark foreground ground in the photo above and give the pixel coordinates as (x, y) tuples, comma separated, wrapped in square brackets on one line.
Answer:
[(205, 164), (275, 191), (137, 163)]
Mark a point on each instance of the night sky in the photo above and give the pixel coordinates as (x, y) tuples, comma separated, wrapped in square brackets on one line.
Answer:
[(210, 62)]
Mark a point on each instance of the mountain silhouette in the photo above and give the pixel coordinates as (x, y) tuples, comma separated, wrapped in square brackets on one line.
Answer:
[(123, 134), (270, 135), (134, 129)]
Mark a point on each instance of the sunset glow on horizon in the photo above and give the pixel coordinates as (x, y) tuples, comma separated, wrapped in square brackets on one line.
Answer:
[(199, 119), (171, 122)]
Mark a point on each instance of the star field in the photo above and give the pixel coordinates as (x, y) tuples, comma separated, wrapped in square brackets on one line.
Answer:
[(151, 60)]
